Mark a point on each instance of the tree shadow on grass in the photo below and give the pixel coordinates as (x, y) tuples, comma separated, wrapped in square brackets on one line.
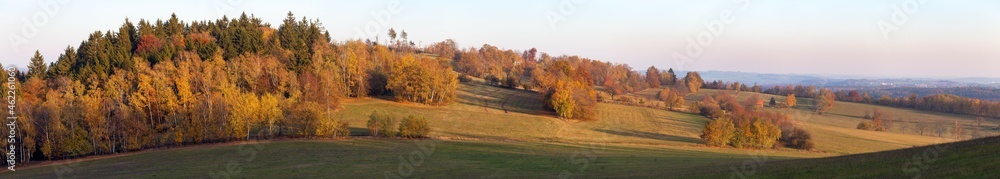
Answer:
[(650, 135), (504, 100), (357, 131)]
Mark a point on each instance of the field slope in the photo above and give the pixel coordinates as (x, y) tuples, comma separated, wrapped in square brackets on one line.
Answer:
[(967, 159), (506, 133)]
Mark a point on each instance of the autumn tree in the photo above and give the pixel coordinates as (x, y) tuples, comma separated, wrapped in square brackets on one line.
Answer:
[(270, 113), (653, 77), (718, 132), (880, 120), (790, 100), (693, 81), (355, 65), (380, 124), (824, 101), (422, 80), (414, 127), (753, 102), (764, 134), (670, 97), (562, 100), (797, 138)]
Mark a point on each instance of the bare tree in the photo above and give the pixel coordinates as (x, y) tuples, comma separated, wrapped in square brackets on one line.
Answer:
[(957, 130), (902, 125), (921, 128), (940, 129)]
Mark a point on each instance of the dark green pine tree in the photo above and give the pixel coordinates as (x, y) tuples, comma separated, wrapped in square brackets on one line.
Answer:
[(37, 65), (673, 76), (64, 65)]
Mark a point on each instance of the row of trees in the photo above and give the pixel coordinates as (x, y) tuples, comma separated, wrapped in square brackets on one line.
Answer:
[(947, 103), (172, 83), (566, 81)]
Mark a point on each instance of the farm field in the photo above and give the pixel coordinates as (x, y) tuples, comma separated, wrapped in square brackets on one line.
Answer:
[(494, 130), (366, 158), (966, 159)]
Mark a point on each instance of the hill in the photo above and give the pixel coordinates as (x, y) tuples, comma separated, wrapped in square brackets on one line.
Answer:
[(966, 159), (474, 137), (838, 126)]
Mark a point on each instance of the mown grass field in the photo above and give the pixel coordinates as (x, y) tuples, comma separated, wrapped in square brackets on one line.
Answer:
[(479, 114), (966, 159), (366, 158), (506, 133), (835, 131)]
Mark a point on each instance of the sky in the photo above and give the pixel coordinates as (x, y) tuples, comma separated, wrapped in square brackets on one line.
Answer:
[(876, 38)]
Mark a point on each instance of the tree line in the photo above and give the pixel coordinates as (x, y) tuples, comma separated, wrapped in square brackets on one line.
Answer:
[(940, 102), (171, 83), (566, 81)]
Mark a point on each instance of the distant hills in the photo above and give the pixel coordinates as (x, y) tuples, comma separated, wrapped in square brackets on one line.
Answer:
[(768, 79)]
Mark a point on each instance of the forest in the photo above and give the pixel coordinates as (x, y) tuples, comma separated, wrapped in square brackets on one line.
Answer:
[(173, 83)]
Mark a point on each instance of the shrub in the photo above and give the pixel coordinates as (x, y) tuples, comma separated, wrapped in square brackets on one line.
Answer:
[(380, 124), (304, 119), (464, 78), (796, 138), (763, 134), (866, 125), (414, 127), (718, 132), (343, 130)]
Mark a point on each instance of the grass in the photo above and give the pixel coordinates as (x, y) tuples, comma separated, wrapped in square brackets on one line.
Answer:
[(967, 159), (506, 133), (835, 131), (365, 158), (479, 114)]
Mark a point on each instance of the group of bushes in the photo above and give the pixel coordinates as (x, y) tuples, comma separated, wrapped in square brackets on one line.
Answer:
[(380, 124), (741, 134), (880, 121), (740, 127)]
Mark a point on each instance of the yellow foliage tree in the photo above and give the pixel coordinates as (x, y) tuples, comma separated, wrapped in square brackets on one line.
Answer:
[(790, 100), (718, 132), (562, 100)]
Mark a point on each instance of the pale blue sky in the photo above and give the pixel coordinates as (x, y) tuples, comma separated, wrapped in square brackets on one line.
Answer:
[(938, 39)]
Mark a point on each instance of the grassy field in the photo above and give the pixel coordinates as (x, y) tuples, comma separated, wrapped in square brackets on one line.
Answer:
[(835, 131), (506, 133), (479, 114), (967, 159), (365, 158)]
